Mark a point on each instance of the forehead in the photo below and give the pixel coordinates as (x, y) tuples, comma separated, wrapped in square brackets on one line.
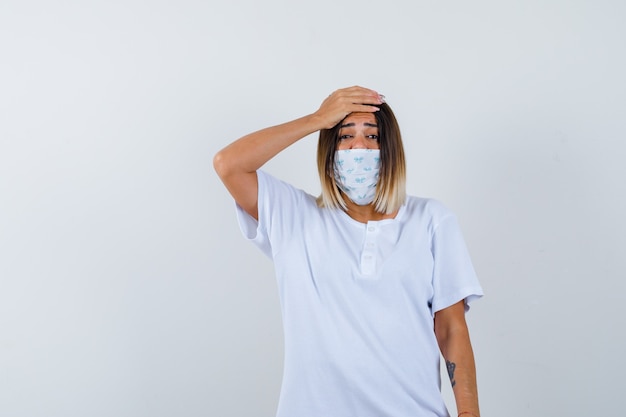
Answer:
[(358, 119)]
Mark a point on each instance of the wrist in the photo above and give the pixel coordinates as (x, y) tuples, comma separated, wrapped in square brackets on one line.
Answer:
[(317, 122)]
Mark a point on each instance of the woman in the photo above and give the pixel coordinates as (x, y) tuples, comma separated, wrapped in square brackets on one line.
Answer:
[(373, 284)]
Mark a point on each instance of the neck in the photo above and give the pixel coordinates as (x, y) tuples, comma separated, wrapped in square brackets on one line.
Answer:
[(364, 214)]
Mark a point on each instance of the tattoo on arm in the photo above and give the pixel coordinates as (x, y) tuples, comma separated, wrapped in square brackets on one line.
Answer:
[(451, 367)]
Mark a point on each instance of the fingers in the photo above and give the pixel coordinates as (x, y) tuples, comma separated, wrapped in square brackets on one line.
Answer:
[(348, 100), (358, 95)]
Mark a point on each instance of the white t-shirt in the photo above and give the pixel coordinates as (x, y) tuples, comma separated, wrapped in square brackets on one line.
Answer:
[(358, 302)]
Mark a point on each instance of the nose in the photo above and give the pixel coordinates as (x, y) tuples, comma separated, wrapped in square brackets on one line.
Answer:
[(359, 142)]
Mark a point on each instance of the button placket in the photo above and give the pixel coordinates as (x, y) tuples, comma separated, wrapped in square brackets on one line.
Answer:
[(368, 256)]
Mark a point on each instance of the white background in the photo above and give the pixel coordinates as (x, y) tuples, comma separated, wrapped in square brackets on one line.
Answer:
[(126, 288)]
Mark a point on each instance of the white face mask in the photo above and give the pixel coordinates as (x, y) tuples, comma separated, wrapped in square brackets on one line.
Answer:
[(356, 173)]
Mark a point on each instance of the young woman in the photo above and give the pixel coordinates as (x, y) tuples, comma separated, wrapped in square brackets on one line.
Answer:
[(373, 284)]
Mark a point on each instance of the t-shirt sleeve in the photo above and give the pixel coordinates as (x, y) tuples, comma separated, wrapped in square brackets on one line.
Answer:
[(277, 203), (454, 278)]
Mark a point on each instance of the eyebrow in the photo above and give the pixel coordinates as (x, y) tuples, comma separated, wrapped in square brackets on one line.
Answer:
[(354, 124)]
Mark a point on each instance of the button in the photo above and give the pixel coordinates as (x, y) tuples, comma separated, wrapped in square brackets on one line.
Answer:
[(371, 228), (368, 257), (370, 244)]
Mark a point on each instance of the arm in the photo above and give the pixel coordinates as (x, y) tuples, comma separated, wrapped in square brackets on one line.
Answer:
[(238, 162), (454, 342)]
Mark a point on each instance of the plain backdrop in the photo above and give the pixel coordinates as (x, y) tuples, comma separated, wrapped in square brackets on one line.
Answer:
[(126, 288)]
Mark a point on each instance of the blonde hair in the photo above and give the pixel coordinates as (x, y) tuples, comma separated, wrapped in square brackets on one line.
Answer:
[(391, 187)]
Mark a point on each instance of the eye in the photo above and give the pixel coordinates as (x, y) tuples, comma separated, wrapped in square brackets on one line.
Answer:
[(375, 137), (343, 137)]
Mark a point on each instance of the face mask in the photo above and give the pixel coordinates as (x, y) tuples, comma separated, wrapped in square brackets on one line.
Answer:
[(356, 173)]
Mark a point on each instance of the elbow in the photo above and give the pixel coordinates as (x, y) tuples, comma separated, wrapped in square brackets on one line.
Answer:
[(442, 339), (450, 326), (220, 164), (227, 163)]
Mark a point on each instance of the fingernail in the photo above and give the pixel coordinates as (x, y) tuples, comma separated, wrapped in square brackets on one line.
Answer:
[(381, 97)]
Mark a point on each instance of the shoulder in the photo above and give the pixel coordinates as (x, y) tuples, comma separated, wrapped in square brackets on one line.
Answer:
[(429, 208), (273, 184), (276, 193)]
